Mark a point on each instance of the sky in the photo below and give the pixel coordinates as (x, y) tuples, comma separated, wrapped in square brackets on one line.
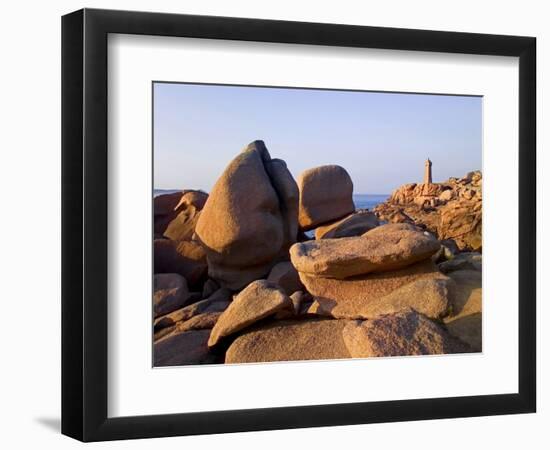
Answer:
[(382, 139)]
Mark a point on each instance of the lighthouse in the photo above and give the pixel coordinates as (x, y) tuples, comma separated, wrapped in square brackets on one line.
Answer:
[(428, 172)]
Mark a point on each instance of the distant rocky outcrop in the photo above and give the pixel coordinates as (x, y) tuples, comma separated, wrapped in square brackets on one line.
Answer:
[(452, 210)]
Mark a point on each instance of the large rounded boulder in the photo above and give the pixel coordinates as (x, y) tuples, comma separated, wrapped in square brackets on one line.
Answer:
[(325, 195), (249, 218)]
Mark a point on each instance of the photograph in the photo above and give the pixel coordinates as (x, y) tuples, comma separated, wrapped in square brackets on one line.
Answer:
[(294, 224)]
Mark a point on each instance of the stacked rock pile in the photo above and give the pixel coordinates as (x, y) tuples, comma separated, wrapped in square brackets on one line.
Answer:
[(237, 279)]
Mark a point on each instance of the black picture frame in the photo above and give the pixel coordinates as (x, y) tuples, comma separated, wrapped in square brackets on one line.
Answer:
[(84, 224)]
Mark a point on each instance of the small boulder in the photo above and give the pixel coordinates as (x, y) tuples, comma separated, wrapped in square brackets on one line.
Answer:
[(170, 292), (166, 203), (285, 276), (257, 301), (387, 249), (164, 210), (180, 349), (355, 224), (290, 341), (298, 299), (325, 195), (364, 289), (196, 199), (403, 334), (185, 258), (182, 226), (429, 297)]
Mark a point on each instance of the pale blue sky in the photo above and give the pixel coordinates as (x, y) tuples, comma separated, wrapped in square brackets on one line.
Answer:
[(382, 139)]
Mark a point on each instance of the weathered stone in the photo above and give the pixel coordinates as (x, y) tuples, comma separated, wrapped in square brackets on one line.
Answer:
[(185, 258), (199, 322), (391, 227), (170, 292), (182, 227), (403, 334), (429, 297), (196, 199), (462, 261), (447, 195), (217, 302), (289, 197), (166, 203), (367, 288), (285, 276), (355, 224), (290, 341), (164, 210), (189, 347), (461, 221), (257, 301), (387, 249), (297, 298), (246, 222), (465, 320), (325, 195)]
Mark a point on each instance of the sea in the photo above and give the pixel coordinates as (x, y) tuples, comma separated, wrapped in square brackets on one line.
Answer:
[(362, 201)]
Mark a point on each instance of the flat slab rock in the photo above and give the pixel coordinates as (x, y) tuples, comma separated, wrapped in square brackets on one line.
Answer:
[(387, 249), (257, 301), (189, 347), (217, 302), (427, 296), (346, 298), (403, 334), (290, 341)]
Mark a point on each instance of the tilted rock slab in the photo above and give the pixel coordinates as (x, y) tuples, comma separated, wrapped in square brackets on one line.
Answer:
[(290, 341), (403, 334), (257, 301), (359, 296), (429, 297), (217, 302), (325, 195), (355, 224), (387, 249), (249, 218)]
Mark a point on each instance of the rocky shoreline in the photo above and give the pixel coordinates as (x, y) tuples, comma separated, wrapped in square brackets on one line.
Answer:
[(237, 280)]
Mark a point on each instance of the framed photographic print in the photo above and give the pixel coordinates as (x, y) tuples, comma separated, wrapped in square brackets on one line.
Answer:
[(266, 224)]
